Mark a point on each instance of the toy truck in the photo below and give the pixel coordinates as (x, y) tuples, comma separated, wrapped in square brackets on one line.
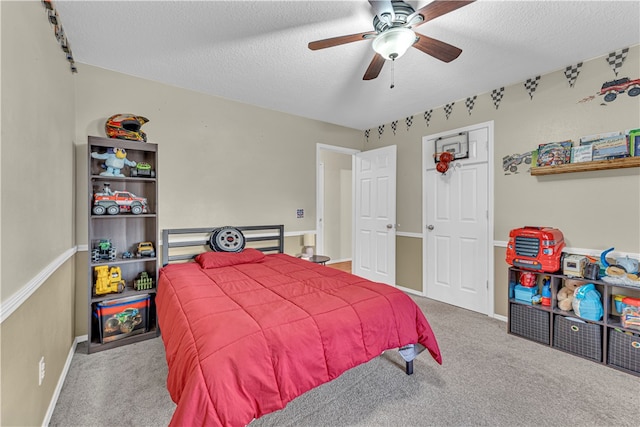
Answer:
[(535, 248), (103, 250), (146, 249), (115, 202), (143, 169), (108, 280)]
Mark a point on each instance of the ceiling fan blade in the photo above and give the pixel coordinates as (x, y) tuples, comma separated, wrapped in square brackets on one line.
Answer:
[(436, 48), (437, 8), (374, 68), (336, 41)]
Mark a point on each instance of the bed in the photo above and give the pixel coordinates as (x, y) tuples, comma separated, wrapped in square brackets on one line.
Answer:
[(249, 329)]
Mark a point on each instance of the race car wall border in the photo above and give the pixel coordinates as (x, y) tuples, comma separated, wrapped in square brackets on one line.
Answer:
[(58, 31), (609, 90)]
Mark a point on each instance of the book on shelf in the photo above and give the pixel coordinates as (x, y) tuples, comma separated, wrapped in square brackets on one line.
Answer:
[(581, 153), (554, 153), (612, 147), (590, 139)]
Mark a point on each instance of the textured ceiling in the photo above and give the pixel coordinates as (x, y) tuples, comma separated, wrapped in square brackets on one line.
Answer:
[(256, 52)]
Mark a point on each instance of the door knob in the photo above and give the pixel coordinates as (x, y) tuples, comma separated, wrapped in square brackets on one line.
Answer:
[(389, 225), (429, 227)]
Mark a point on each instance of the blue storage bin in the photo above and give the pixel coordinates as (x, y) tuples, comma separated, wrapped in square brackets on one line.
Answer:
[(525, 294)]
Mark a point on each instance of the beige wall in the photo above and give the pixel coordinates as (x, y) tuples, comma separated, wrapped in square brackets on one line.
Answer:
[(595, 210), (221, 162), (42, 327), (37, 175), (409, 263), (37, 146)]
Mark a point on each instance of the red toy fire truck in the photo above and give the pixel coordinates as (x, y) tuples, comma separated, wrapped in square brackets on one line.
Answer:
[(535, 248)]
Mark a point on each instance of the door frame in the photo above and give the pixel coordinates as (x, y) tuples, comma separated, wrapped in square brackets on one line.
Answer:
[(490, 211), (320, 191)]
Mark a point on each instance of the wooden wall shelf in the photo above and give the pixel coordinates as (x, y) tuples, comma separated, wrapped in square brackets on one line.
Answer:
[(627, 162)]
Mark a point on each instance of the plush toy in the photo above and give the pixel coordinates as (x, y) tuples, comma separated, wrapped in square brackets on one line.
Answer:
[(114, 161), (566, 294)]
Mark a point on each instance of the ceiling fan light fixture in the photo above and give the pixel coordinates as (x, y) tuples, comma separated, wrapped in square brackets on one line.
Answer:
[(394, 42)]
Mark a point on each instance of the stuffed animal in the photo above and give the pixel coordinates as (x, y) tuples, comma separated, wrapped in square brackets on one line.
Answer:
[(114, 161), (566, 294)]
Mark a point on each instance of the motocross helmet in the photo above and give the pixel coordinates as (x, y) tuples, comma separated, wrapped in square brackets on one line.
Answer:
[(126, 126)]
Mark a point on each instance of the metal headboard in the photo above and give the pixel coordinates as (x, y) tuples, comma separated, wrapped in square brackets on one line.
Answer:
[(194, 241)]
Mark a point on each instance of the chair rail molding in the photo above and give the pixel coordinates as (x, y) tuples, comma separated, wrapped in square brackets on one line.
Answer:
[(17, 299)]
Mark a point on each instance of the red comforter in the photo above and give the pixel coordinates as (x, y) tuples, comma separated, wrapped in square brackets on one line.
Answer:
[(244, 339)]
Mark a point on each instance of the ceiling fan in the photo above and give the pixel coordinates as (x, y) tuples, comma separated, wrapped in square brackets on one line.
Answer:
[(393, 33)]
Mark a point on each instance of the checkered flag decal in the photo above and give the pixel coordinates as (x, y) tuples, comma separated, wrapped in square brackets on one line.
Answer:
[(380, 131), (366, 134), (448, 109), (497, 95), (427, 116), (470, 102), (616, 59), (531, 85), (571, 73), (409, 121), (394, 126)]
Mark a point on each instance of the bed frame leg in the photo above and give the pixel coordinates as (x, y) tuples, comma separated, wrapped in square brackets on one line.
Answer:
[(409, 369)]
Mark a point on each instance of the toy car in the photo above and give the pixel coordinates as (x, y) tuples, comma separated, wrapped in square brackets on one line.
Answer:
[(115, 202), (146, 249), (103, 250), (127, 254), (143, 169)]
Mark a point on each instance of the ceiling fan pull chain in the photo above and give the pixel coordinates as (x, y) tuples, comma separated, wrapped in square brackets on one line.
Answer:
[(393, 67)]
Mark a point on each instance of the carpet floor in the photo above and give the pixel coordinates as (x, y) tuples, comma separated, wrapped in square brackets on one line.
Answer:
[(488, 378)]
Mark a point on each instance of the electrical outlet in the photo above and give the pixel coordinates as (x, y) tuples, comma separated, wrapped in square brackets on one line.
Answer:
[(41, 371)]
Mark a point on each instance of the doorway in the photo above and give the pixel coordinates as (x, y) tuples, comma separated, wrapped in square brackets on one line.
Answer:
[(334, 202), (458, 222), (370, 243)]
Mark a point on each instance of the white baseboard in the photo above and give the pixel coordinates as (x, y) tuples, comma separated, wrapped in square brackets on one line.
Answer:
[(63, 376), (336, 261), (410, 291), (499, 317)]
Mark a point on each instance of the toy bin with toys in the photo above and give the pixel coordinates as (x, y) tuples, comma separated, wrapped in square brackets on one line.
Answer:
[(122, 317), (630, 313)]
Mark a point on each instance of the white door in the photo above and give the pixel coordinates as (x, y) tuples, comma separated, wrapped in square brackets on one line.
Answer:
[(456, 228), (374, 255)]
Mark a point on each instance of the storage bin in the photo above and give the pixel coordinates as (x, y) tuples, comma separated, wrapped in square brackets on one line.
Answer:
[(578, 337), (624, 350), (530, 322), (630, 313), (524, 293), (122, 317)]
